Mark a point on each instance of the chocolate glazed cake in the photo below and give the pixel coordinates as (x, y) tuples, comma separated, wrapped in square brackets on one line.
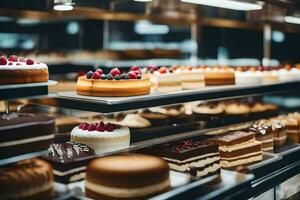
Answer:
[(131, 176), (28, 179), (63, 159), (191, 156), (238, 148), (22, 133)]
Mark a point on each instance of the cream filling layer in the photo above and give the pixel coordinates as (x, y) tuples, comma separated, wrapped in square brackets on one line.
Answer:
[(77, 177), (26, 140), (127, 192), (266, 141), (227, 164), (190, 159), (71, 171), (200, 163), (242, 145), (280, 138), (242, 156), (268, 148), (292, 131), (26, 193), (209, 169)]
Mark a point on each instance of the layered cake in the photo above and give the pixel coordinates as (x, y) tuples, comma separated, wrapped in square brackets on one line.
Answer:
[(219, 76), (131, 176), (66, 162), (293, 126), (264, 132), (164, 81), (244, 76), (191, 155), (238, 148), (28, 179), (14, 70), (22, 133), (191, 78), (280, 133), (102, 137), (113, 84)]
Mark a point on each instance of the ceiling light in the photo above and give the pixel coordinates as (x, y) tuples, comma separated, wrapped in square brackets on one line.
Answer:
[(228, 4), (63, 5), (292, 19)]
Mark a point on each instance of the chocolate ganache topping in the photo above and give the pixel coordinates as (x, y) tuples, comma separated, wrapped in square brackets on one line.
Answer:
[(67, 152), (262, 127)]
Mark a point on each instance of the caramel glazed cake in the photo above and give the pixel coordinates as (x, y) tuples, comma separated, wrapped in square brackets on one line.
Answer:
[(191, 156), (16, 70), (238, 148), (68, 167), (130, 176), (21, 133), (113, 84), (28, 179)]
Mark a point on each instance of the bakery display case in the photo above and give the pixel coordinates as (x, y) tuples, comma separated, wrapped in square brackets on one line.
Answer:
[(151, 100)]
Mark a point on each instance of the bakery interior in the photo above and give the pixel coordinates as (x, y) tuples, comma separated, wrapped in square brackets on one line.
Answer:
[(150, 99)]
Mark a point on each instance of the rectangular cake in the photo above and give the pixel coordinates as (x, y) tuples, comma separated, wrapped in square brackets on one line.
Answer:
[(69, 161), (22, 133), (238, 148), (191, 78), (164, 82), (191, 156)]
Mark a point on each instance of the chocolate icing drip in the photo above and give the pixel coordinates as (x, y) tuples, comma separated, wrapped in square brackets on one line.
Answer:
[(68, 151)]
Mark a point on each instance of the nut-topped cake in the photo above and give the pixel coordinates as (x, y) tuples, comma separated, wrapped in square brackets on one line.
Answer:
[(113, 84), (102, 137), (15, 70)]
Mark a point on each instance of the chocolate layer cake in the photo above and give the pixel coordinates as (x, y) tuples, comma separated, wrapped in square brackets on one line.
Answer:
[(280, 134), (264, 132), (131, 176), (28, 179), (238, 148), (66, 162), (191, 156), (22, 133)]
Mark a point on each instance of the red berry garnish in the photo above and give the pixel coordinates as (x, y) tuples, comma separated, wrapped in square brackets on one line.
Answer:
[(132, 75), (115, 71), (163, 70), (3, 60), (134, 68), (81, 125), (100, 71), (101, 128), (92, 127), (85, 126), (136, 72), (109, 127), (22, 60), (96, 75), (13, 58), (29, 61), (10, 63)]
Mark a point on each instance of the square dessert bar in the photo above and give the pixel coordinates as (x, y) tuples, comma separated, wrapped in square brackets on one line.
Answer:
[(22, 133), (192, 156), (238, 148)]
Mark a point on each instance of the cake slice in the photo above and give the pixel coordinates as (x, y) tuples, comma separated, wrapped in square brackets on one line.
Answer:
[(191, 156), (280, 134), (191, 78), (238, 148), (65, 158), (264, 132)]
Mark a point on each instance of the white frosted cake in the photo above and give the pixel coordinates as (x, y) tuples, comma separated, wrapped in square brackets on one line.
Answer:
[(102, 137), (248, 78), (191, 78)]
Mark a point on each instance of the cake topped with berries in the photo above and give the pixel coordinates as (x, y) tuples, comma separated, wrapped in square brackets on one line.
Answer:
[(114, 83), (17, 70), (102, 137)]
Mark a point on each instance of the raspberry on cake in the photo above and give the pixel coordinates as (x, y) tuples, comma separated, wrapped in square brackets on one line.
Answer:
[(102, 137), (113, 84), (16, 70)]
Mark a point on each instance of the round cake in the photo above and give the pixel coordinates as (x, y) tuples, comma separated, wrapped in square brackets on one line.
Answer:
[(130, 176), (28, 179), (16, 70), (113, 84), (102, 137)]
